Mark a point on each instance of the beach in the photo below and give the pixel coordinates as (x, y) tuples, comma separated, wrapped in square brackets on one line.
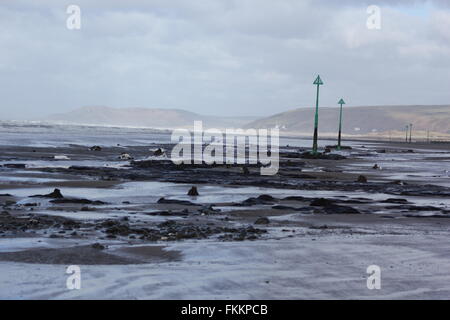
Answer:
[(70, 197)]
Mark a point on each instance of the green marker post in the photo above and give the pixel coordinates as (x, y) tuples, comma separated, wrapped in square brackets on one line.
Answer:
[(341, 102), (410, 132), (317, 82)]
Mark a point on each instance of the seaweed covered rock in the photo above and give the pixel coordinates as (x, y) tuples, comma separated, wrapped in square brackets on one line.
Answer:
[(193, 191)]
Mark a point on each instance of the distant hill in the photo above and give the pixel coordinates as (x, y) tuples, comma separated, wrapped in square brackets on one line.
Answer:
[(357, 120), (144, 117), (360, 120)]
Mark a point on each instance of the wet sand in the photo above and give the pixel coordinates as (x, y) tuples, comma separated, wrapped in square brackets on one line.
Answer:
[(91, 255), (310, 210)]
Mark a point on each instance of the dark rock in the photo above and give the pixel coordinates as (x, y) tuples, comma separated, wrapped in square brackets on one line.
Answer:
[(15, 165), (427, 216), (337, 209), (321, 202), (319, 227), (209, 210), (193, 191), (309, 155), (80, 168), (119, 229), (262, 220), (279, 207), (330, 207), (95, 148), (395, 200), (158, 152), (376, 167), (262, 199), (360, 201), (30, 204), (56, 194), (174, 201), (98, 246), (108, 223), (361, 179), (266, 197), (34, 222), (305, 176), (295, 198), (415, 208), (77, 201), (162, 213), (168, 223)]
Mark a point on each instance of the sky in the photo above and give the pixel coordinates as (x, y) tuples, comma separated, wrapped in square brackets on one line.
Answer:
[(223, 58)]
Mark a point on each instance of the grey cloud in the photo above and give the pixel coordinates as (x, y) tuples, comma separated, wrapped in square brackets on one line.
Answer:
[(243, 57)]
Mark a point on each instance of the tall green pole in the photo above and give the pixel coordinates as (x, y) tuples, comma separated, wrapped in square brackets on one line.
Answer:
[(341, 102), (410, 132), (317, 82)]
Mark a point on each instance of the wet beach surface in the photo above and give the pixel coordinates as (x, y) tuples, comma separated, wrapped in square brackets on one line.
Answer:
[(315, 218)]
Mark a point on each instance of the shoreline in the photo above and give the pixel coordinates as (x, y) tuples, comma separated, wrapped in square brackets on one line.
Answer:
[(109, 209)]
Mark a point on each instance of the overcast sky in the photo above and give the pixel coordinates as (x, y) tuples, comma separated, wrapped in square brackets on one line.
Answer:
[(228, 57)]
